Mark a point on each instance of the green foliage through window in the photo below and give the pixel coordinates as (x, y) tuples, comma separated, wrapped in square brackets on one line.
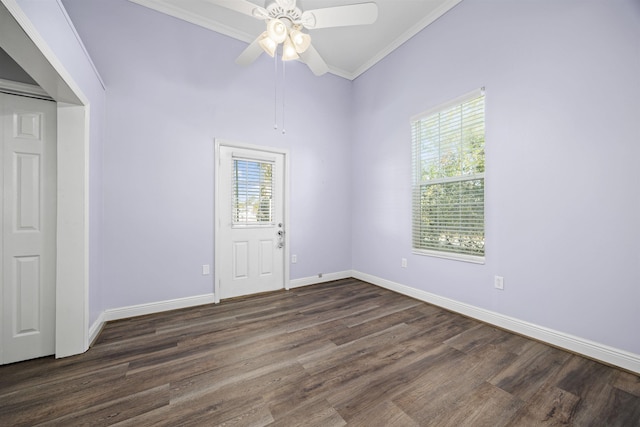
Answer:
[(252, 192), (448, 171)]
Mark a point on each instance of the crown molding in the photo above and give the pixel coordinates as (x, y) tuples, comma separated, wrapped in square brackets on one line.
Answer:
[(171, 9), (404, 37), (180, 13)]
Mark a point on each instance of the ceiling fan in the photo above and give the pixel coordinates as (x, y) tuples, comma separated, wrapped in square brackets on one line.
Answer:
[(286, 24)]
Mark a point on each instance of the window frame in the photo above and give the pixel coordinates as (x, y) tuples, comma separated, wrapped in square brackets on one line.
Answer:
[(417, 183)]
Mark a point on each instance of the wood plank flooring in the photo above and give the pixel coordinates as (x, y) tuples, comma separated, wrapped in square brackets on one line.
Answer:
[(341, 353)]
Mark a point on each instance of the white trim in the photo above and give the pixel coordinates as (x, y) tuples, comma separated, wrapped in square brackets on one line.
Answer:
[(287, 221), (403, 38), (161, 306), (62, 87), (23, 89), (202, 21), (79, 40), (473, 259), (96, 328), (143, 309), (218, 142), (476, 93), (186, 15), (72, 267), (155, 307), (314, 280), (588, 348)]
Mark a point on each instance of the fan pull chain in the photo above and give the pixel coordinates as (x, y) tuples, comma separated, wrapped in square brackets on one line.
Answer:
[(284, 75), (275, 92)]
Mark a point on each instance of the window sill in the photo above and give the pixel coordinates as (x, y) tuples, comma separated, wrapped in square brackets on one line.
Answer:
[(452, 256)]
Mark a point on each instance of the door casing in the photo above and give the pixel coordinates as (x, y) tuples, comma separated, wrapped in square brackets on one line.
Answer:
[(218, 244)]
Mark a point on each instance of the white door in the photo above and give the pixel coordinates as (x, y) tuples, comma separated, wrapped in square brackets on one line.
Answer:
[(250, 215), (28, 249)]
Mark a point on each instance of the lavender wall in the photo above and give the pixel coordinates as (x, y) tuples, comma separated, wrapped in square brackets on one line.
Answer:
[(171, 88), (562, 150), (50, 20)]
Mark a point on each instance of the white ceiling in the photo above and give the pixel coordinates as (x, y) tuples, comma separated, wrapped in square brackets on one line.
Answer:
[(348, 51)]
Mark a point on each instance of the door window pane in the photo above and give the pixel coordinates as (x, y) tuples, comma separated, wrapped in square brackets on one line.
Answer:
[(252, 202)]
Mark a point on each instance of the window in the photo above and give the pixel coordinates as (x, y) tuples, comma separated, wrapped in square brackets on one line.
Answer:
[(448, 179), (252, 192)]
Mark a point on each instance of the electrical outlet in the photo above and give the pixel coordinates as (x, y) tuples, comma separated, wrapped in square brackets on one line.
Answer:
[(205, 269), (498, 282), (294, 259), (403, 263)]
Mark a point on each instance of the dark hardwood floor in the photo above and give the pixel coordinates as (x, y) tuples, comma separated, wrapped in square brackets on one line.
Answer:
[(341, 353)]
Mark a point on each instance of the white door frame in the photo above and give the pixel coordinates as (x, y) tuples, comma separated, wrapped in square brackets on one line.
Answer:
[(218, 204), (24, 44)]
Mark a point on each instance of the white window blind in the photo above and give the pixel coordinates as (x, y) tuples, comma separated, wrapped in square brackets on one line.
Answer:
[(448, 179), (252, 202)]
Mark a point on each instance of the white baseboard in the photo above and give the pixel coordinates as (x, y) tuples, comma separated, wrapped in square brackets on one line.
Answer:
[(96, 328), (156, 307), (314, 280), (593, 350), (142, 309)]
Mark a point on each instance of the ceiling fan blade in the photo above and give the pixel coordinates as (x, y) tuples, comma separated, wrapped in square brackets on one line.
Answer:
[(242, 6), (250, 54), (340, 16), (314, 61)]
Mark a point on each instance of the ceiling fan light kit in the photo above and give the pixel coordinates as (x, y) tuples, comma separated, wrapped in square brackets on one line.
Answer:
[(293, 40), (285, 24), (277, 30), (289, 51), (268, 44), (301, 41)]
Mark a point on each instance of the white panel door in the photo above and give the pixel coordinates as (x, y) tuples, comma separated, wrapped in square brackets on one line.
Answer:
[(28, 249), (251, 221)]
